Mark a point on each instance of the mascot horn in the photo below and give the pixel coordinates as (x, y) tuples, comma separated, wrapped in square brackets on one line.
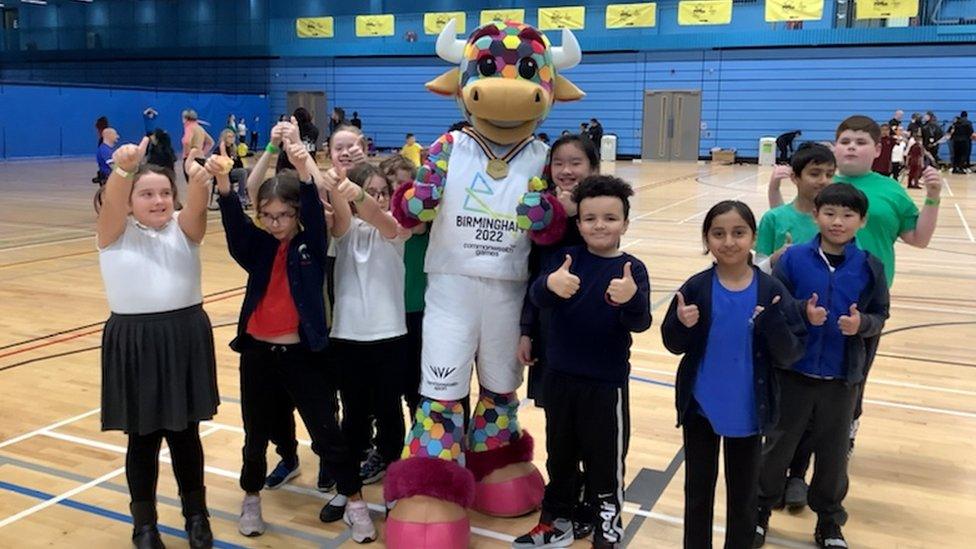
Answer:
[(482, 192)]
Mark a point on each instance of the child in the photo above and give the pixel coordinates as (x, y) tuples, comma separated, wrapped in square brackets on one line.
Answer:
[(596, 293), (812, 169), (916, 160), (846, 299), (571, 160), (882, 164), (238, 174), (159, 375), (398, 170), (282, 331), (898, 158), (411, 150), (369, 326), (733, 323)]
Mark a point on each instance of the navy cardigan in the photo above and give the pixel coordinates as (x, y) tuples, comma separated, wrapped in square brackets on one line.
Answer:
[(779, 340), (254, 249)]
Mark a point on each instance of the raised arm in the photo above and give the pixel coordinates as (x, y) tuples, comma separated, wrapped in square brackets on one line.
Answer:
[(415, 203), (260, 170), (921, 235), (193, 218), (115, 196)]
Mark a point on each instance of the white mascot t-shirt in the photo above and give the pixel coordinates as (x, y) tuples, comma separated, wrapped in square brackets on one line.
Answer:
[(475, 233)]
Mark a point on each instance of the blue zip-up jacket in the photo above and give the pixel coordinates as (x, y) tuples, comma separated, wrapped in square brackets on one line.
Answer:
[(779, 336), (860, 279), (254, 249)]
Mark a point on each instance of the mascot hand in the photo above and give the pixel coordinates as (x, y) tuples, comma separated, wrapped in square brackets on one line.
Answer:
[(416, 203)]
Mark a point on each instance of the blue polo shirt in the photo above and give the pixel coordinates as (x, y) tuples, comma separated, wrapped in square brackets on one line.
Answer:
[(104, 158), (724, 385)]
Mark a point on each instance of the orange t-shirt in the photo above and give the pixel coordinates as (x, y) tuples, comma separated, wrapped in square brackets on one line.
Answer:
[(275, 314)]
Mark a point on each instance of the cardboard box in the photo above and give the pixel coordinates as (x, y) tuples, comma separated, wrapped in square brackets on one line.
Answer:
[(723, 156)]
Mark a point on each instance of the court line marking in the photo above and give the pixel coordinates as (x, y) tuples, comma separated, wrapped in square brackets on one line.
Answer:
[(662, 208), (91, 484), (948, 188), (105, 513), (484, 532), (965, 224), (703, 212), (161, 499), (54, 425)]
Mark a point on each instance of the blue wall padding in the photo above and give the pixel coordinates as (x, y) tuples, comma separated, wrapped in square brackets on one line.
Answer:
[(60, 121)]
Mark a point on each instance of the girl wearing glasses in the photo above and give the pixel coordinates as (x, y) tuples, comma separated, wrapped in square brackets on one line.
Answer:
[(282, 333), (370, 326)]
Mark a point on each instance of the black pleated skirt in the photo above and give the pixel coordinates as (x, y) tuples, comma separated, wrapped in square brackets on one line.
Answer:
[(158, 371)]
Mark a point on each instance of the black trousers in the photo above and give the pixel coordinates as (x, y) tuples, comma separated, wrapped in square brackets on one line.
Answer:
[(589, 422), (412, 372), (896, 168), (142, 462), (266, 370), (701, 474), (371, 385), (960, 153), (826, 407)]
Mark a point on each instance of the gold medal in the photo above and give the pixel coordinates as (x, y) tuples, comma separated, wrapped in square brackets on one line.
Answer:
[(497, 168)]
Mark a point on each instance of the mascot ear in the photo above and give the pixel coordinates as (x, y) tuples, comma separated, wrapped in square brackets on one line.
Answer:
[(445, 84), (564, 90)]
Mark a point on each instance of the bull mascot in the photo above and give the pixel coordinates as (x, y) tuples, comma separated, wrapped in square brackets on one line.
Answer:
[(482, 190)]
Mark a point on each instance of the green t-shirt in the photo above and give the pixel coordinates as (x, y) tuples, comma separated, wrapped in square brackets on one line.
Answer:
[(781, 220), (890, 212), (414, 253)]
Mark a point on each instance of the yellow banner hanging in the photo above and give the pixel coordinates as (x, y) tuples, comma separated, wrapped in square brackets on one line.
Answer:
[(374, 25), (434, 22), (704, 12), (500, 16), (315, 27), (627, 16), (794, 10), (883, 9), (571, 17)]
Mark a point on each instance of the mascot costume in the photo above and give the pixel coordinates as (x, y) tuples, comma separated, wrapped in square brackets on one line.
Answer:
[(482, 190)]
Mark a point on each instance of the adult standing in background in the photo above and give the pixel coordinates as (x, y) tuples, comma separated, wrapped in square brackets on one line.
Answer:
[(895, 123), (355, 120), (338, 118), (931, 135), (784, 145), (241, 130), (915, 124), (962, 145), (100, 126), (253, 145), (149, 118), (106, 148), (596, 134), (194, 137)]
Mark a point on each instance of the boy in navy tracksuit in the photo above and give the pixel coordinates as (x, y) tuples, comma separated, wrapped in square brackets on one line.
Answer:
[(598, 295), (846, 305)]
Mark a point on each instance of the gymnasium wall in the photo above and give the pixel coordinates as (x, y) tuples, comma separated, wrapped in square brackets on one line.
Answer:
[(38, 120), (745, 93)]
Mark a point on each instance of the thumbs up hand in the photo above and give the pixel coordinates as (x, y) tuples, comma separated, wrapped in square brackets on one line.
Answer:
[(621, 290), (850, 324), (816, 315), (687, 314), (562, 282)]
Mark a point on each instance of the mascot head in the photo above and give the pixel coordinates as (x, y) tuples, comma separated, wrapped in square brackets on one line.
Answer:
[(507, 77)]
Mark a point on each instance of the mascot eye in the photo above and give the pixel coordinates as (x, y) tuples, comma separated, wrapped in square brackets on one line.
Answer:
[(486, 66), (527, 68)]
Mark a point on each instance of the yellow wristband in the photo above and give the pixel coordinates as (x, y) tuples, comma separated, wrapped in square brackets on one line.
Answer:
[(128, 175), (361, 197)]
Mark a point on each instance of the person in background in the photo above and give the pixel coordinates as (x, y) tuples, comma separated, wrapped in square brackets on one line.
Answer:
[(161, 151), (241, 130), (962, 142), (100, 126), (355, 120), (194, 136), (784, 146), (104, 155), (253, 145), (411, 150), (149, 118)]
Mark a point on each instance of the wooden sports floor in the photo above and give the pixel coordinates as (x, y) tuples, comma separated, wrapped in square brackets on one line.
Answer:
[(62, 483)]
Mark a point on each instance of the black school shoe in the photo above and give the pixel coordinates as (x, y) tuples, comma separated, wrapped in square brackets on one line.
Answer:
[(828, 535), (198, 532), (147, 537), (762, 527), (334, 509)]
